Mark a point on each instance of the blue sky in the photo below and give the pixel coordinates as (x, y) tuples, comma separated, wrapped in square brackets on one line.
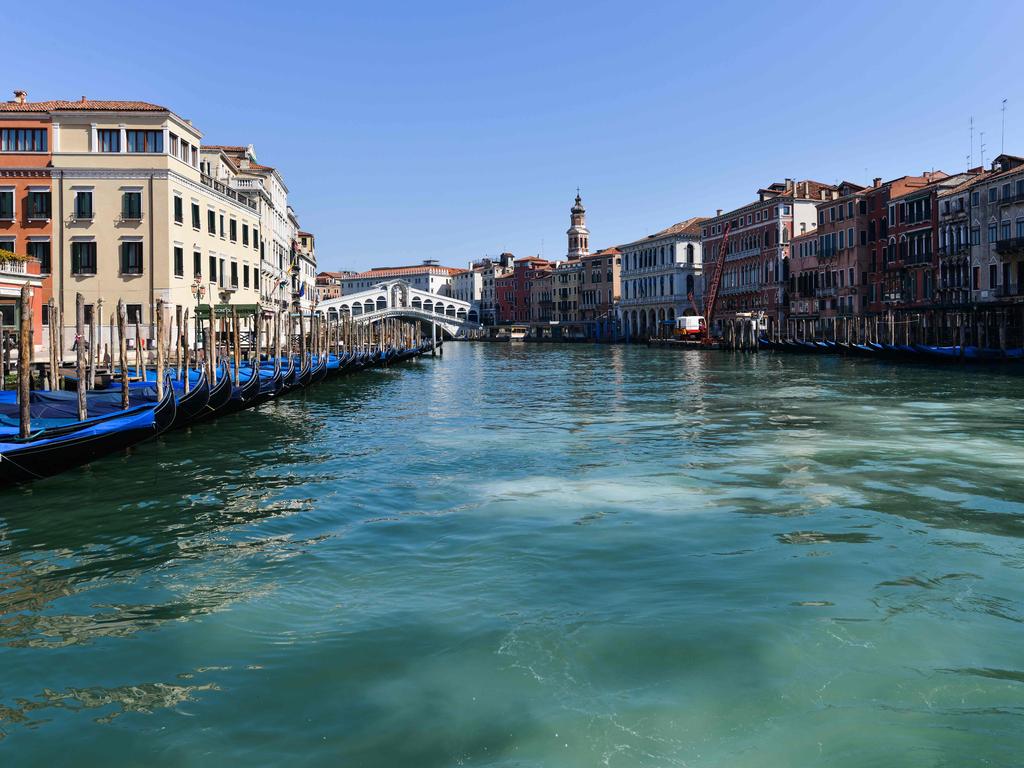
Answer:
[(451, 130)]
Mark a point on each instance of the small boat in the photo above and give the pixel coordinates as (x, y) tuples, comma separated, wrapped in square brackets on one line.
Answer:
[(54, 449), (220, 396), (319, 372)]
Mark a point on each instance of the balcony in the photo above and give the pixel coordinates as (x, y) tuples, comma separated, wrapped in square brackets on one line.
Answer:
[(918, 259), (823, 292), (1010, 199), (949, 251), (217, 186), (1010, 245), (744, 254)]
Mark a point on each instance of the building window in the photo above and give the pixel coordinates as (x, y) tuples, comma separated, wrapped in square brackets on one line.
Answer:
[(179, 261), (39, 204), (196, 223), (245, 276), (220, 273), (145, 141), (222, 226), (134, 314), (40, 251), (245, 234), (83, 204), (23, 140), (131, 205), (233, 230), (179, 210), (108, 140), (211, 222), (256, 278), (83, 257), (131, 257), (7, 204), (991, 233), (213, 269), (197, 264), (992, 192)]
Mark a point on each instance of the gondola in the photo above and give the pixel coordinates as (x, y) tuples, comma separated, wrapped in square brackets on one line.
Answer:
[(319, 372), (220, 396), (54, 449), (191, 404), (244, 393)]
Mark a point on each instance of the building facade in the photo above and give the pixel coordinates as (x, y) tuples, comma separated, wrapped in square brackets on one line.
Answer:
[(600, 292), (755, 272), (428, 276), (661, 278), (26, 212)]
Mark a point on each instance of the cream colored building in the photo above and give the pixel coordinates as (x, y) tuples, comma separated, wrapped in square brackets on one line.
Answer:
[(135, 219)]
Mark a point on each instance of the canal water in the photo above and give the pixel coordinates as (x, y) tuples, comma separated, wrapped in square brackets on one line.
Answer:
[(522, 555)]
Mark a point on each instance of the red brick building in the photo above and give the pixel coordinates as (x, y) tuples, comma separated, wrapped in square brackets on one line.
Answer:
[(26, 210), (756, 268), (513, 290)]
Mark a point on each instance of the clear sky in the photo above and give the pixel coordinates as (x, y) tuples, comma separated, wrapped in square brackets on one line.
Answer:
[(452, 130)]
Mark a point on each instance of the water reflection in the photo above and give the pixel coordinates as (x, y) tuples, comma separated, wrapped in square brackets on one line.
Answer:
[(552, 555)]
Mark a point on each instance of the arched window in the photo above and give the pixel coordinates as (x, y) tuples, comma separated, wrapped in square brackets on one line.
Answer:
[(689, 253)]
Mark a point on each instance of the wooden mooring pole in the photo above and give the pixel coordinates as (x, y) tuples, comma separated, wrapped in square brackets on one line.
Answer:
[(25, 363), (80, 355)]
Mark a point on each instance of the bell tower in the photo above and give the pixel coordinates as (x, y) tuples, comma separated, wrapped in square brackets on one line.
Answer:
[(579, 235)]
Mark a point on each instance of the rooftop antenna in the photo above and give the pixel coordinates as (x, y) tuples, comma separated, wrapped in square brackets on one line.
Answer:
[(971, 156), (1002, 138), (981, 146)]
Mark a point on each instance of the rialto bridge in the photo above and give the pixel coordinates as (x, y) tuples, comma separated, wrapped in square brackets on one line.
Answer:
[(396, 298)]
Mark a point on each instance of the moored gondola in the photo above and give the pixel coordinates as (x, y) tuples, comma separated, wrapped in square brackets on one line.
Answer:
[(51, 450)]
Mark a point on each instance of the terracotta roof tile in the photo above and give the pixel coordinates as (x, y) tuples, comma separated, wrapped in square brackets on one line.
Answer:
[(689, 226), (83, 104), (382, 272)]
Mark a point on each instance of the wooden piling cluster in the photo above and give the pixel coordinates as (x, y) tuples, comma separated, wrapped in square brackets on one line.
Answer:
[(225, 337), (998, 328)]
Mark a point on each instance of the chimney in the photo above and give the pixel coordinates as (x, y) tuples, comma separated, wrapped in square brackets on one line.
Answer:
[(84, 99), (876, 182), (20, 97), (789, 185), (718, 212)]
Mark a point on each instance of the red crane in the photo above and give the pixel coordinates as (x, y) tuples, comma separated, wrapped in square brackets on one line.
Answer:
[(711, 298)]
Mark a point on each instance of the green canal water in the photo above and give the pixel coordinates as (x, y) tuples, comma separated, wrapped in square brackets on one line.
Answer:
[(537, 556)]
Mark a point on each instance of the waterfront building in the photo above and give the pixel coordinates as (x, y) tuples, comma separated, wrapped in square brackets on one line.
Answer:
[(514, 299), (490, 271), (953, 279), (658, 274), (328, 284), (541, 280), (910, 260), (996, 205), (880, 232), (26, 211), (600, 291), (303, 267), (760, 232), (467, 285), (235, 167), (428, 276), (568, 281), (803, 297), (132, 215), (841, 282)]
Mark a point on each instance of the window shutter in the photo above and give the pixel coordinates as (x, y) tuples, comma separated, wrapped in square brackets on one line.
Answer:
[(76, 258), (124, 258)]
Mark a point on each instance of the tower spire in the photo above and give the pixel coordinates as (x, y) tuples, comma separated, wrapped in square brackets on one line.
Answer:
[(578, 234)]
